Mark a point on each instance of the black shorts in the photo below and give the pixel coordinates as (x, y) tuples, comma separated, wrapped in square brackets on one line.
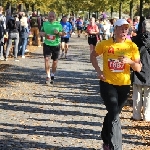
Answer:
[(66, 40), (92, 40), (79, 28), (51, 51)]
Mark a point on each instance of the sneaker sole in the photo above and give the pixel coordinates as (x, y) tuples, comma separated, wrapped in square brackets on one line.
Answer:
[(52, 83), (47, 82)]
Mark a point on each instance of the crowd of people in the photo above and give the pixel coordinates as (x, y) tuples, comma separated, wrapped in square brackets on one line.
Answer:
[(19, 30), (124, 44)]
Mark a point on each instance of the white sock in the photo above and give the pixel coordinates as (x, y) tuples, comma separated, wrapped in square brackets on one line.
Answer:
[(52, 74), (48, 75)]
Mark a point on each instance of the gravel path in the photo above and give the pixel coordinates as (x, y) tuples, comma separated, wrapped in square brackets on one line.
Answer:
[(67, 116)]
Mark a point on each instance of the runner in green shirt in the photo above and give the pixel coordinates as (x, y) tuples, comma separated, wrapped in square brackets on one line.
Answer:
[(51, 30)]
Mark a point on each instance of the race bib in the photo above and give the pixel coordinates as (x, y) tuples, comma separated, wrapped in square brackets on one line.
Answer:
[(50, 37), (115, 65)]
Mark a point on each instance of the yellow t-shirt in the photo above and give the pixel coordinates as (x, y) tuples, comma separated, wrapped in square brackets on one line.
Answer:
[(115, 72)]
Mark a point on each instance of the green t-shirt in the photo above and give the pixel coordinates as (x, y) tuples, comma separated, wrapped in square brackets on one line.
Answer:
[(51, 38)]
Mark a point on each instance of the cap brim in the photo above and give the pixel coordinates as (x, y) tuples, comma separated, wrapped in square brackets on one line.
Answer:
[(120, 23)]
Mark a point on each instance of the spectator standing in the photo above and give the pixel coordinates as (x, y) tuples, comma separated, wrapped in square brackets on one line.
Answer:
[(85, 24), (13, 27), (142, 18), (8, 15), (106, 30), (2, 32), (141, 80), (24, 33), (136, 22), (130, 32), (100, 26), (112, 21), (35, 25)]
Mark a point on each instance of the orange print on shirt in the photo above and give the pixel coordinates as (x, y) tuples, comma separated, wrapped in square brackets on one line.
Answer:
[(111, 50)]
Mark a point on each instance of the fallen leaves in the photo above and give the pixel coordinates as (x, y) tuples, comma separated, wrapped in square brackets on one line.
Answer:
[(138, 128)]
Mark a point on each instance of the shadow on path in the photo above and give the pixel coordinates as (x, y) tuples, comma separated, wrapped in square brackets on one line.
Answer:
[(50, 131), (10, 142), (33, 109)]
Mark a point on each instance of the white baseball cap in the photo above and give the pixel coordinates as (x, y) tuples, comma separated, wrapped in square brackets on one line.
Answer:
[(120, 22)]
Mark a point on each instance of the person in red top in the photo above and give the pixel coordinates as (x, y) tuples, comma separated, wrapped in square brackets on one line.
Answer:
[(92, 30)]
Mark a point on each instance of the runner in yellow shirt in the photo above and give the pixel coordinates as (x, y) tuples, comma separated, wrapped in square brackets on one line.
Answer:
[(119, 54)]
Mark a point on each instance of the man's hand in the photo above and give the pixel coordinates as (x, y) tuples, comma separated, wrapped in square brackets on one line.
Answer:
[(101, 76), (90, 32), (125, 60), (56, 31)]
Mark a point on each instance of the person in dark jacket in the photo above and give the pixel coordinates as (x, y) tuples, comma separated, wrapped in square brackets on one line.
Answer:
[(142, 18), (13, 27), (141, 81), (35, 24), (2, 32)]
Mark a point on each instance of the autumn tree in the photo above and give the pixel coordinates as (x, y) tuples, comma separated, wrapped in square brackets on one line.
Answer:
[(74, 6)]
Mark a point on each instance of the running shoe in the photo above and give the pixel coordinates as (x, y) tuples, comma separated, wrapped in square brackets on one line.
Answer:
[(52, 80), (47, 81)]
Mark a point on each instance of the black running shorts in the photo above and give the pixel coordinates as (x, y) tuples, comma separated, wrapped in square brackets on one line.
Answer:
[(51, 51), (65, 40), (79, 28), (92, 40)]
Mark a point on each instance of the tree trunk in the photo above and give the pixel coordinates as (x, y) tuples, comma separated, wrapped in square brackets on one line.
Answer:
[(149, 12), (120, 10), (89, 14), (10, 8), (111, 12), (131, 9), (27, 7), (7, 5), (72, 13), (20, 6), (141, 7), (96, 14), (33, 7)]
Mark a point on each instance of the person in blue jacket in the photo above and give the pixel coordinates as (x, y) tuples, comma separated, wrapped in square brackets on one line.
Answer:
[(67, 29)]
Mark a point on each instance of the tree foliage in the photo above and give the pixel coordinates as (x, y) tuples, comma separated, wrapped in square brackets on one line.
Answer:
[(66, 6)]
